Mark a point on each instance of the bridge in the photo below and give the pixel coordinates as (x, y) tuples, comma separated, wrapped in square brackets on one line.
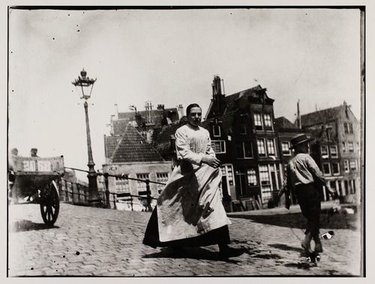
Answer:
[(90, 241)]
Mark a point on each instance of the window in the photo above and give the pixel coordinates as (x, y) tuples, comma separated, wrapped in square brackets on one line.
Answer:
[(245, 150), (346, 128), (271, 147), (243, 121), (324, 151), (218, 146), (122, 184), (343, 147), (335, 168), (326, 169), (243, 129), (265, 182), (241, 182), (353, 165), (346, 166), (267, 121), (264, 175), (229, 174), (266, 193), (162, 178), (216, 130), (351, 146), (353, 187), (252, 177), (258, 121), (141, 185), (333, 149), (285, 148), (261, 147)]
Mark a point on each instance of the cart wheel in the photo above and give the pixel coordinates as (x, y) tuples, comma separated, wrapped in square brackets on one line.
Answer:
[(49, 204)]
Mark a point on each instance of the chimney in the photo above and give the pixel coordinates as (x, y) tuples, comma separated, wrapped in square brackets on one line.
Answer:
[(116, 108), (148, 107), (216, 85), (217, 96), (299, 124), (160, 107)]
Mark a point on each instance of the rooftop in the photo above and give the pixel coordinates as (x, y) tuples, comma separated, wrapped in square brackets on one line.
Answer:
[(133, 148)]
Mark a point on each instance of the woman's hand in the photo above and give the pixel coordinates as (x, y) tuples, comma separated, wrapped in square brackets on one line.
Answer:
[(211, 161)]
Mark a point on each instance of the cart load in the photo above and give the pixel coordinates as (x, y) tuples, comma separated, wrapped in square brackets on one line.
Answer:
[(36, 180)]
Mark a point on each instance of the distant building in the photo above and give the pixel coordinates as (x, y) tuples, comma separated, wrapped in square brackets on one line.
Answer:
[(149, 123), (245, 140), (131, 156), (337, 148)]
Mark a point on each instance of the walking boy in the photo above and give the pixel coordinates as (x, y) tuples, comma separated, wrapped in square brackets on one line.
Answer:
[(305, 179)]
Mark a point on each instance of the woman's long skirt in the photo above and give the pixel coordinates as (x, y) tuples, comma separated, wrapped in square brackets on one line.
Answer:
[(189, 210)]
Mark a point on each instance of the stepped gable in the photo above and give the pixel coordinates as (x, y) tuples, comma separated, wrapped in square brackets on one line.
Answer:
[(134, 148)]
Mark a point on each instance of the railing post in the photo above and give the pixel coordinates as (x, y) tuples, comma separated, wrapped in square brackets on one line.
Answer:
[(65, 191), (149, 208), (78, 193), (114, 194), (108, 205)]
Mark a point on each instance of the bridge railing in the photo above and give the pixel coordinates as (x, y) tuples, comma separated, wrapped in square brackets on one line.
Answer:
[(76, 193)]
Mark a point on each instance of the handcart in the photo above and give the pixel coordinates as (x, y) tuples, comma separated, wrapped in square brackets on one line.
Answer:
[(35, 180)]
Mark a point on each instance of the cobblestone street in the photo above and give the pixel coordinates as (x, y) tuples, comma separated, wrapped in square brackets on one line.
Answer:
[(89, 241)]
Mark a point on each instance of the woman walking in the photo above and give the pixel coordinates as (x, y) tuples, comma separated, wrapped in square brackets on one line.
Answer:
[(189, 210)]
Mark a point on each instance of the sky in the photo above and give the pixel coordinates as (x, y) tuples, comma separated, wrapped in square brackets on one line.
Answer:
[(169, 57)]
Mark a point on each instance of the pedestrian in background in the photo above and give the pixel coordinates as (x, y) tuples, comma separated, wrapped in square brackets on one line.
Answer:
[(305, 179), (34, 152), (11, 171), (189, 210)]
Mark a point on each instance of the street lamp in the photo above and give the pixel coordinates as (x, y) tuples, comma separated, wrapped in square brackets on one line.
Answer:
[(85, 85)]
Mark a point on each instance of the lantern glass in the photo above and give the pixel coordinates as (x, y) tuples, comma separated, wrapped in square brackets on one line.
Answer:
[(84, 85)]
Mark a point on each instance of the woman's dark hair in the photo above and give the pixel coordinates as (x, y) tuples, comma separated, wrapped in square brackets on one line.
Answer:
[(190, 107)]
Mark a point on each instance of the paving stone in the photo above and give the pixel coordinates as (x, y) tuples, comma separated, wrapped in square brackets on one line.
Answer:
[(109, 243)]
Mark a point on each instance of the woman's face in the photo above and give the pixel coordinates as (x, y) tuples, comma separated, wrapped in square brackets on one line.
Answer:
[(195, 116)]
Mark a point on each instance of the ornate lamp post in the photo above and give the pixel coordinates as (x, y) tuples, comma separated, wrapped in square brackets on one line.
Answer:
[(85, 85)]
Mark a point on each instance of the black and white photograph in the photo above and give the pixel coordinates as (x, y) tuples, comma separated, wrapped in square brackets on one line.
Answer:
[(185, 141)]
